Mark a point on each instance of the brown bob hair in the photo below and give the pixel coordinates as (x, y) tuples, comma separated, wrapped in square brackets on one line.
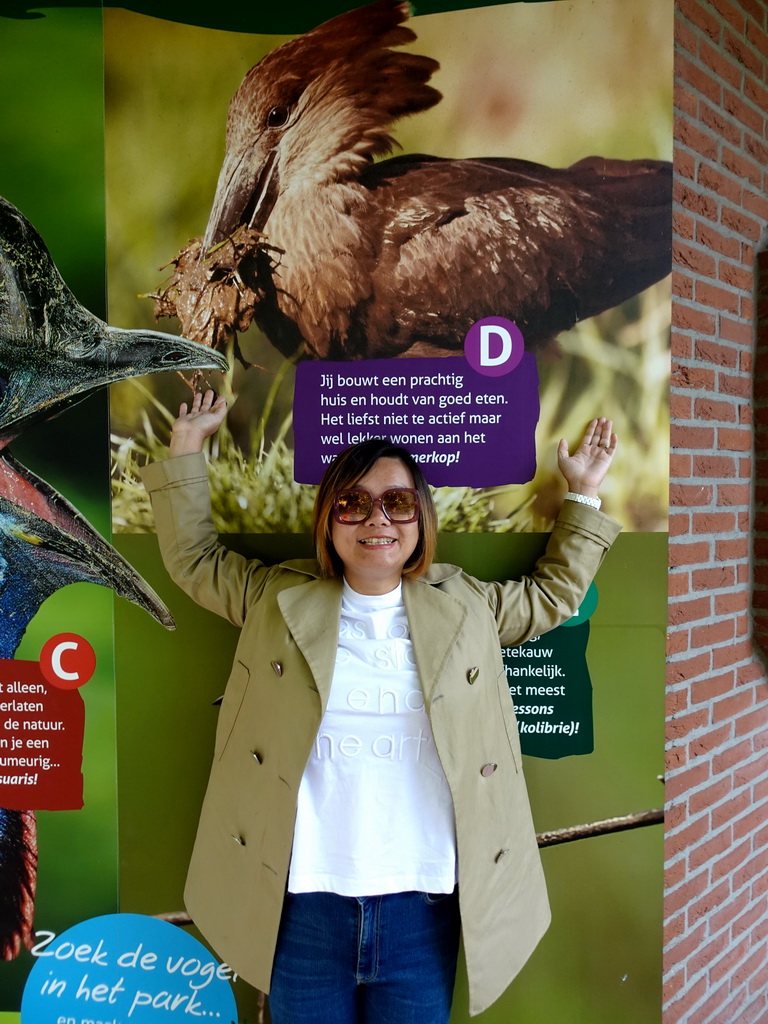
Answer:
[(346, 469)]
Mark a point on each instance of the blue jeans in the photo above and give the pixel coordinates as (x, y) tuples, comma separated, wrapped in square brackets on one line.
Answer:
[(365, 959)]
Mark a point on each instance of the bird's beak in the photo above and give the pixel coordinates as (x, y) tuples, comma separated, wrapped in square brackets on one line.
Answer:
[(49, 544), (41, 380), (245, 194)]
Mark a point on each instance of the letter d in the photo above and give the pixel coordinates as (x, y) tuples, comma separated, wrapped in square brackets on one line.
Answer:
[(486, 359)]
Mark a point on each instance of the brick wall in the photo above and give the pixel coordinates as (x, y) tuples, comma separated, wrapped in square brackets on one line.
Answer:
[(716, 941)]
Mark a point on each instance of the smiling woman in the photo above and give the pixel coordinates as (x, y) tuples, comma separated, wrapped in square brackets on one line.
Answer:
[(368, 765)]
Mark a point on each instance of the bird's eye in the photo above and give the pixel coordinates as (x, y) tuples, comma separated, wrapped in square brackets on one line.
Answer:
[(278, 117)]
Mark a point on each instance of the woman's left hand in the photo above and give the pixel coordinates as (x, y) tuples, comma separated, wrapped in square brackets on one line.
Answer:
[(585, 470)]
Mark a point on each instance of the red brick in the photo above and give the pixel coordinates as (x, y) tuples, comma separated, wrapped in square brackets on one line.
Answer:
[(714, 522), (729, 912), (723, 126), (686, 779), (733, 384), (731, 706), (683, 226), (716, 240), (753, 722), (693, 888), (672, 984), (733, 494), (734, 105), (722, 185), (697, 202), (756, 29), (730, 604), (677, 643), (736, 276), (692, 257), (683, 840), (757, 204), (702, 746), (749, 227), (711, 899), (712, 687), (734, 15), (736, 330), (725, 760), (680, 726), (715, 297), (708, 351), (702, 438), (738, 164), (730, 550), (684, 165), (756, 865), (720, 466), (682, 288), (734, 440), (724, 656), (713, 579), (713, 633), (757, 149), (689, 668), (752, 916), (726, 69), (700, 16), (698, 79), (729, 812), (691, 495), (745, 55), (755, 92)]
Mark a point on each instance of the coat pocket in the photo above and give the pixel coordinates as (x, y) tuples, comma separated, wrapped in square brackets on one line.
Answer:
[(230, 706)]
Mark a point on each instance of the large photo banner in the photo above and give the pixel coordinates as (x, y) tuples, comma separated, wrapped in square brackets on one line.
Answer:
[(446, 226)]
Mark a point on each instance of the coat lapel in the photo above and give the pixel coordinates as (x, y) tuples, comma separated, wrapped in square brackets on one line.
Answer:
[(435, 620), (312, 612)]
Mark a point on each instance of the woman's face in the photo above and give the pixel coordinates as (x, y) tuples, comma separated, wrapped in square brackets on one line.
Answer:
[(374, 552)]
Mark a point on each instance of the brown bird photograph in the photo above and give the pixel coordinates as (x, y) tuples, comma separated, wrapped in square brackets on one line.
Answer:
[(386, 180)]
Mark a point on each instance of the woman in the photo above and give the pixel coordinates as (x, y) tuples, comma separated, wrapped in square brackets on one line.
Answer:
[(366, 801)]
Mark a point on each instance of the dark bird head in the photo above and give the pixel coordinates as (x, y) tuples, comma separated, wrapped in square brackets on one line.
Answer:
[(45, 544), (316, 110), (53, 352)]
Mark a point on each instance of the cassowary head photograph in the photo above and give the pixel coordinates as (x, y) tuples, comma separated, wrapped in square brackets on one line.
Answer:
[(370, 189)]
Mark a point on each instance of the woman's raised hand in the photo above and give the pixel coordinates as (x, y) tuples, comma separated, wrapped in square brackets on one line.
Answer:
[(585, 470), (195, 423)]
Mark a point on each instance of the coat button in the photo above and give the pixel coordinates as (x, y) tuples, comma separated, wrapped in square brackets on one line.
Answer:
[(472, 675), (257, 756), (277, 667), (238, 839), (488, 769)]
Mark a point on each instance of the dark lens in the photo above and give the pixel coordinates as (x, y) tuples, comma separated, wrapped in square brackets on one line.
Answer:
[(353, 506), (400, 506)]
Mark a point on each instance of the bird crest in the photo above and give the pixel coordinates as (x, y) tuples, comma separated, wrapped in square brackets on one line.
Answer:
[(317, 110), (346, 69)]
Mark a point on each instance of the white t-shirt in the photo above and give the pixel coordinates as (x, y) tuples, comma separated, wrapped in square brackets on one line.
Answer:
[(374, 811)]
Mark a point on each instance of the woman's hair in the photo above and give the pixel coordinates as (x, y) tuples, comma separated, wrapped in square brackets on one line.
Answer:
[(346, 469)]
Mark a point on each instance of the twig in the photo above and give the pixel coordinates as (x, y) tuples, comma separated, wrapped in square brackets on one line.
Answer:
[(601, 828)]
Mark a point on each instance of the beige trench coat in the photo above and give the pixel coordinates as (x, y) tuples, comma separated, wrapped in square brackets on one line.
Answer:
[(279, 687)]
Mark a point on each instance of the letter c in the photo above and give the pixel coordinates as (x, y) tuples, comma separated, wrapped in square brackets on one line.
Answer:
[(58, 668)]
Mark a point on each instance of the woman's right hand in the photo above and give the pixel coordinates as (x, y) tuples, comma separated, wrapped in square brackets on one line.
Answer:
[(197, 422)]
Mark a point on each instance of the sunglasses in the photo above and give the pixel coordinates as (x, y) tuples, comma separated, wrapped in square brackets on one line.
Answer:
[(399, 505)]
